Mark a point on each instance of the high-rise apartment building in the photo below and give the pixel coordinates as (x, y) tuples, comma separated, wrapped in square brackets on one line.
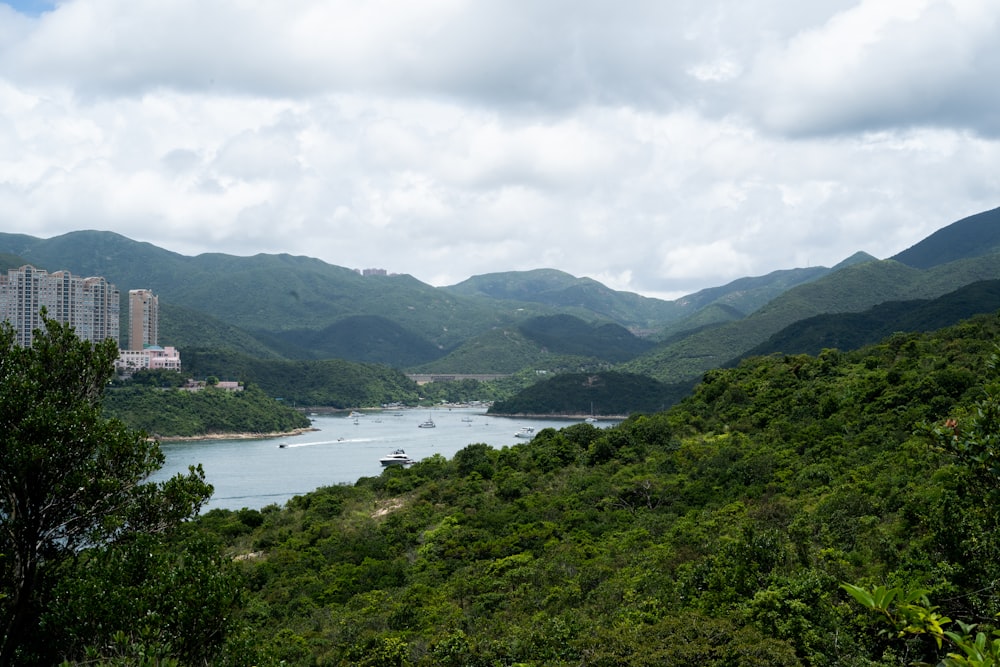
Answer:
[(143, 319), (90, 305)]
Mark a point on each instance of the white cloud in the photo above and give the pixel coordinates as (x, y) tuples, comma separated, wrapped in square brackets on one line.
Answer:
[(658, 147), (884, 63)]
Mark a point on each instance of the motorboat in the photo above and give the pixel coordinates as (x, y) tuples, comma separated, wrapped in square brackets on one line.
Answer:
[(591, 420), (525, 432), (427, 424), (396, 458)]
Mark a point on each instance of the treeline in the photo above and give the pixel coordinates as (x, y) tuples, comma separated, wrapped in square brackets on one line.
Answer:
[(332, 382), (171, 412), (718, 532)]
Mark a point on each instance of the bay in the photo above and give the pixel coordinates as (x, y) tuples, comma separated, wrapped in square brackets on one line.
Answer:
[(342, 449)]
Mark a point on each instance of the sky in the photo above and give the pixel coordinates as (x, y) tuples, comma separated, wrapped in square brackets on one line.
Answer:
[(657, 146)]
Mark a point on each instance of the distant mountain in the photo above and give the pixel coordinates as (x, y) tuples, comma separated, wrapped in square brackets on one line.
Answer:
[(739, 298), (543, 342), (641, 315), (851, 289), (363, 338), (565, 334), (272, 297), (967, 238), (280, 306), (850, 331), (287, 307), (561, 290)]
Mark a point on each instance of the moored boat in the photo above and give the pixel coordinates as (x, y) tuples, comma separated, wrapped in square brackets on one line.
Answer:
[(525, 432)]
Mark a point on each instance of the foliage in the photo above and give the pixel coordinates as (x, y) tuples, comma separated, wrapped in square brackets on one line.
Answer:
[(365, 339), (713, 533), (850, 331), (71, 489), (604, 393), (853, 288), (910, 614), (331, 383), (174, 412), (565, 334)]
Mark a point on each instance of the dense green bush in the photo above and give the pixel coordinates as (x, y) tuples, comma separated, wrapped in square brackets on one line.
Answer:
[(715, 533), (176, 412)]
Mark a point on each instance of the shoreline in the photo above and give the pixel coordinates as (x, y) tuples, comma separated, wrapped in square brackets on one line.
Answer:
[(233, 436)]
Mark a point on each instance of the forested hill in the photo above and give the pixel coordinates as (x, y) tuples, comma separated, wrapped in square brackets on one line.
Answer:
[(715, 533), (969, 237)]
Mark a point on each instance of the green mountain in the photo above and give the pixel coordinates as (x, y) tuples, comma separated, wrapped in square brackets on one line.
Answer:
[(363, 338), (579, 295), (853, 288), (280, 306), (850, 331), (739, 298), (969, 237), (548, 342), (640, 314), (273, 297)]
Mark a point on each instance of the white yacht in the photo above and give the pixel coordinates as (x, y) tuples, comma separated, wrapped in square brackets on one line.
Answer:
[(396, 458)]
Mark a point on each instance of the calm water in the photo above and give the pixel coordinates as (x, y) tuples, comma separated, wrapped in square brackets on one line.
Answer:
[(255, 473)]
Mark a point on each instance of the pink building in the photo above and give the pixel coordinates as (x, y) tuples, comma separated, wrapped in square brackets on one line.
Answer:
[(151, 357)]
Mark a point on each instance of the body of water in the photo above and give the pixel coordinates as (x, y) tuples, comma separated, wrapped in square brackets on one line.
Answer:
[(256, 473)]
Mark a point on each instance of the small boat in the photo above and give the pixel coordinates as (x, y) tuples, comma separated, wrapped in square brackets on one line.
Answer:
[(427, 424), (525, 432), (283, 445), (591, 420), (396, 458), (467, 419), (355, 414)]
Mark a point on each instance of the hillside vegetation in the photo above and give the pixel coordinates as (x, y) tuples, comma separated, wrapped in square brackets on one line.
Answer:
[(849, 331), (168, 412), (331, 383), (715, 533), (855, 288), (599, 393)]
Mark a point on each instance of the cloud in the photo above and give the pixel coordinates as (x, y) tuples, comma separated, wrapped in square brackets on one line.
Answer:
[(883, 64), (665, 147)]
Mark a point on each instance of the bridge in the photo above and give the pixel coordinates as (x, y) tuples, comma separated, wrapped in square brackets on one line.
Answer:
[(424, 378)]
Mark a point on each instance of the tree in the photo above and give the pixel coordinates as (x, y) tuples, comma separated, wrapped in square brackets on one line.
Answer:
[(70, 480)]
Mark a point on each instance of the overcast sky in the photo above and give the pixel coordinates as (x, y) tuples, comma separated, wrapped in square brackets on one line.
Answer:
[(658, 146)]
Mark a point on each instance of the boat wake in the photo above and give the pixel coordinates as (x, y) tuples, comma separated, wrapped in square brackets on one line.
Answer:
[(338, 441)]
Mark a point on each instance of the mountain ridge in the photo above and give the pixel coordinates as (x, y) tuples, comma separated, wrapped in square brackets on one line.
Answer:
[(296, 307)]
